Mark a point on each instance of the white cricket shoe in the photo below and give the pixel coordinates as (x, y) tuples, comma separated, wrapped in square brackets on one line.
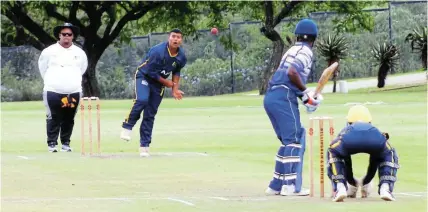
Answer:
[(66, 148), (340, 193), (385, 194), (126, 134), (271, 192), (290, 190), (144, 152), (366, 190), (352, 191), (52, 148)]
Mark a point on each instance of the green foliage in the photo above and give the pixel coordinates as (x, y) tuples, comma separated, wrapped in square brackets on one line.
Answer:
[(418, 42), (13, 88), (114, 84), (333, 47), (210, 76), (386, 54)]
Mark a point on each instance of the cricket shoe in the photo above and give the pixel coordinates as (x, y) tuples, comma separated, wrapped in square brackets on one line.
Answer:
[(144, 152), (271, 192), (366, 190), (126, 134), (385, 194), (290, 190), (341, 193), (65, 148), (352, 191), (52, 148)]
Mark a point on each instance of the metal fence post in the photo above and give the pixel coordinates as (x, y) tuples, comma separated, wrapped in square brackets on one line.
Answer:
[(231, 58)]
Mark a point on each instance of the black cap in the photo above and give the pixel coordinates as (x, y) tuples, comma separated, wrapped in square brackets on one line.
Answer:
[(176, 30), (73, 28)]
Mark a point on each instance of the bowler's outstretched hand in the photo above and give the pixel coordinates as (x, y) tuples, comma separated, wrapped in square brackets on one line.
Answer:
[(177, 94)]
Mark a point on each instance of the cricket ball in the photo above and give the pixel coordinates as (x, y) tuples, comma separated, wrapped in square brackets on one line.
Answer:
[(214, 31)]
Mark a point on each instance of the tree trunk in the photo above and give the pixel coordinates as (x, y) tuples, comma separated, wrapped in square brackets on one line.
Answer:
[(383, 72), (89, 81), (334, 84), (274, 61), (424, 58)]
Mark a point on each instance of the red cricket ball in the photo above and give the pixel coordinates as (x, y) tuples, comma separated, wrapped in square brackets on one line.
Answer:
[(214, 31)]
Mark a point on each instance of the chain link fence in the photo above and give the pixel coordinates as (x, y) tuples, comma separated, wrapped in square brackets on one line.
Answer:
[(213, 69)]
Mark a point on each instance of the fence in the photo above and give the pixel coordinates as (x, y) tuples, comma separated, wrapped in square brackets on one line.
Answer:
[(213, 70)]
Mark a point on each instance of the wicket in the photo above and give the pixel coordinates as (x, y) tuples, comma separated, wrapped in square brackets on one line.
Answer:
[(321, 144), (82, 117)]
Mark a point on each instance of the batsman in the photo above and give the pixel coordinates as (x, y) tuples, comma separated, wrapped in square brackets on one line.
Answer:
[(288, 84), (360, 136)]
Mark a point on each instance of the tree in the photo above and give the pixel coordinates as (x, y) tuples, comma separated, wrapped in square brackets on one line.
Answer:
[(333, 48), (418, 42), (101, 23), (387, 56), (351, 18)]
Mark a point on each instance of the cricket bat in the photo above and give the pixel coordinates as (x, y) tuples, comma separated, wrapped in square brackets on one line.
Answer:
[(325, 76)]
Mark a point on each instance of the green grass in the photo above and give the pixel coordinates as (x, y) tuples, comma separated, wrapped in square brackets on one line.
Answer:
[(232, 130)]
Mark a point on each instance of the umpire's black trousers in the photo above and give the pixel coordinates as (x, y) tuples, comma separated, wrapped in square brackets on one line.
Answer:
[(60, 112)]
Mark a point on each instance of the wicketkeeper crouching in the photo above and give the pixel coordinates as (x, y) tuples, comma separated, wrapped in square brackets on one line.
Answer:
[(360, 136)]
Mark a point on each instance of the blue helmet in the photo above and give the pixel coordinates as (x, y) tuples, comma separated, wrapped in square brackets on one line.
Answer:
[(306, 27)]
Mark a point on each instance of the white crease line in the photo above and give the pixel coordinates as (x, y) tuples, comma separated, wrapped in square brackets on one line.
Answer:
[(182, 201), (23, 157), (220, 198), (410, 194)]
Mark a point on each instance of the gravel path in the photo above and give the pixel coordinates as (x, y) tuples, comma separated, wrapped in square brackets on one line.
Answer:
[(407, 79)]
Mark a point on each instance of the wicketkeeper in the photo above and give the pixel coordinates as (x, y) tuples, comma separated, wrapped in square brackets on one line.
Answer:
[(360, 136)]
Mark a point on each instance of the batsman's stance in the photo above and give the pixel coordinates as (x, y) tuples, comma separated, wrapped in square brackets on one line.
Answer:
[(281, 105), (150, 82), (360, 136)]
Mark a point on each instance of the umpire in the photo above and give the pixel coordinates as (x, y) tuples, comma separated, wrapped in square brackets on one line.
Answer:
[(61, 66)]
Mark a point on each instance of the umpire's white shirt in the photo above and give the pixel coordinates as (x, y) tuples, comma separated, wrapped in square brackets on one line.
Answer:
[(62, 68)]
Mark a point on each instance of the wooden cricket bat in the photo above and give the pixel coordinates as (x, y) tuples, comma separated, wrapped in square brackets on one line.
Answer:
[(325, 76)]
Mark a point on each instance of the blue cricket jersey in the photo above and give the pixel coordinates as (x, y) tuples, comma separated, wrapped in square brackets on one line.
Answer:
[(160, 63), (361, 137), (299, 56)]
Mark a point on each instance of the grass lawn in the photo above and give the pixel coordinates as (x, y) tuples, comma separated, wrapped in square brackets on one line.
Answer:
[(209, 154)]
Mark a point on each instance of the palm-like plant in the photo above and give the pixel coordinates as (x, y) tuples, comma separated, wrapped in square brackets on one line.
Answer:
[(387, 55), (418, 42), (333, 48)]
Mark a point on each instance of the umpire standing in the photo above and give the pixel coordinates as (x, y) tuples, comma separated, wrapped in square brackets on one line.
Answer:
[(61, 66)]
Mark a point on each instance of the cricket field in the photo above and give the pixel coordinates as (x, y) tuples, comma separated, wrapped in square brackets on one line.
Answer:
[(209, 154)]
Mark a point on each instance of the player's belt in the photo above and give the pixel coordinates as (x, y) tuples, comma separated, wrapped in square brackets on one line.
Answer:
[(279, 86)]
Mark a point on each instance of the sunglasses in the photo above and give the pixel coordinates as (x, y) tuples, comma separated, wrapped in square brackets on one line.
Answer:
[(67, 34)]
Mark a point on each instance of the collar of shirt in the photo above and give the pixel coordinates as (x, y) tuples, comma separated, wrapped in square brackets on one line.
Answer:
[(303, 44), (169, 52), (70, 47)]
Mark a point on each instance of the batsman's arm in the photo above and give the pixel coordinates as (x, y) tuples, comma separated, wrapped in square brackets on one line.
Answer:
[(299, 63), (295, 78)]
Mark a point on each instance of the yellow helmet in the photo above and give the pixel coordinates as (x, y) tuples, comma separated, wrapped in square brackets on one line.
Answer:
[(359, 113)]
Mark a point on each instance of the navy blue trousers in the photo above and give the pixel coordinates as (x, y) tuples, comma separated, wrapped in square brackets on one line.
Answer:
[(359, 140), (148, 98)]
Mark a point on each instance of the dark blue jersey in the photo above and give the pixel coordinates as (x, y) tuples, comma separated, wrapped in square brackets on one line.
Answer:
[(160, 63), (360, 138)]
